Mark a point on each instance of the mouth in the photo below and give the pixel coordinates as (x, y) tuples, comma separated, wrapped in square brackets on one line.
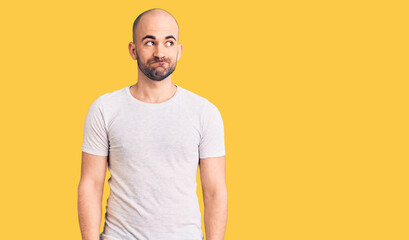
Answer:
[(160, 64)]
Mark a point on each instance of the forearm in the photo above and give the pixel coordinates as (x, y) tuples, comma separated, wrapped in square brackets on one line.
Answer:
[(215, 215), (89, 210)]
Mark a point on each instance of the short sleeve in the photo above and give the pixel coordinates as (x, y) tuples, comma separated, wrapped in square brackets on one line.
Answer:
[(95, 139), (212, 135)]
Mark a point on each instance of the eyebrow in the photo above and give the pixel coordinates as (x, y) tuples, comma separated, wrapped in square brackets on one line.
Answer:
[(153, 37)]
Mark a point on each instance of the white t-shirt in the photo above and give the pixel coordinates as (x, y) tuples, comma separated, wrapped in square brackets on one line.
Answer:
[(153, 154)]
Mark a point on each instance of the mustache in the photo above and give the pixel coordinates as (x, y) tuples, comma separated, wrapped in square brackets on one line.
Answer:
[(159, 60)]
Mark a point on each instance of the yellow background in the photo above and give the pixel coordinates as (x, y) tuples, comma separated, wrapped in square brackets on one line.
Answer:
[(313, 94)]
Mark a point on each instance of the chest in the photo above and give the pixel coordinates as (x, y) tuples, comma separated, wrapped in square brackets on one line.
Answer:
[(147, 132)]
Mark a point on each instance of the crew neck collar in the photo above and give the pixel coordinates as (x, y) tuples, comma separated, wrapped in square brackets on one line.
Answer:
[(170, 100)]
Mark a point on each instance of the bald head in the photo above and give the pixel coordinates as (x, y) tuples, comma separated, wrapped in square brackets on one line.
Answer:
[(154, 17)]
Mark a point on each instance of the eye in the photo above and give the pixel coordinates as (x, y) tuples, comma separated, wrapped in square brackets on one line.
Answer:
[(171, 43), (149, 42)]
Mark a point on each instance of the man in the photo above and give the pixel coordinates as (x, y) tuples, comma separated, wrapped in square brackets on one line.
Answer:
[(153, 136)]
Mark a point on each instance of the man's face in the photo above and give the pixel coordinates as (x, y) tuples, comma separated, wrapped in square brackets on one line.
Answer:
[(157, 51), (156, 68)]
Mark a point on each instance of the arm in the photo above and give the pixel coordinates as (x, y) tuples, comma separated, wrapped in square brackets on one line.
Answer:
[(212, 174), (90, 192)]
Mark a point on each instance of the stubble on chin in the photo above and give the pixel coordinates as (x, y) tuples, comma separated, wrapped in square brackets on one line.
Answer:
[(156, 73)]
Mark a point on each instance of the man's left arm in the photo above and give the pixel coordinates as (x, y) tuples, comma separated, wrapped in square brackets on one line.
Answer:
[(213, 178)]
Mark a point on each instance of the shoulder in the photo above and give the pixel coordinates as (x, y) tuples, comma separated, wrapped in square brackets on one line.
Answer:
[(108, 103), (111, 96), (196, 100), (112, 99), (203, 107)]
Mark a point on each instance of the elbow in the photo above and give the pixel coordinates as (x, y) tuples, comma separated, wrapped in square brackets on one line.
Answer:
[(217, 193), (89, 185)]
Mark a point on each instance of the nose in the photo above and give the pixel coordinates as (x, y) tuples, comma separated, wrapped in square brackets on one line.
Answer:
[(159, 53)]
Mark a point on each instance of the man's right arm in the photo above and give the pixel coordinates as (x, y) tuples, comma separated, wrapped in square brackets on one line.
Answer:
[(90, 192)]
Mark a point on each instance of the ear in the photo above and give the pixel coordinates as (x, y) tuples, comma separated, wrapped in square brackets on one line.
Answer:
[(180, 51), (132, 50)]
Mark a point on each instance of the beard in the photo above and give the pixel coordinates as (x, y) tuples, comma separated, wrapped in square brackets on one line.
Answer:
[(154, 73)]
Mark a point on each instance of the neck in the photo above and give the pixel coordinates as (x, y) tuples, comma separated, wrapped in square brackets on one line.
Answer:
[(153, 91)]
